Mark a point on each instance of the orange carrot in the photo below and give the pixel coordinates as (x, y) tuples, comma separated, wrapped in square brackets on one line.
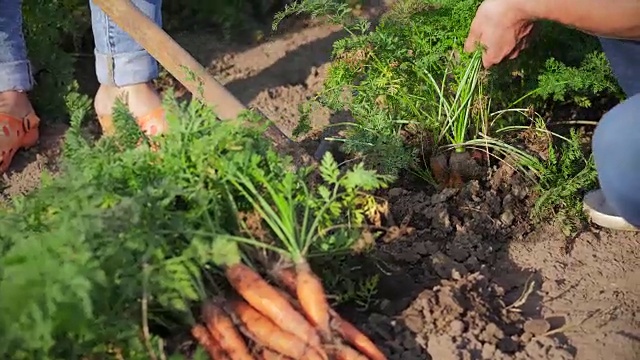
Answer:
[(267, 334), (204, 338), (224, 331), (355, 337), (439, 165), (270, 303), (313, 301), (286, 278), (272, 355), (345, 352)]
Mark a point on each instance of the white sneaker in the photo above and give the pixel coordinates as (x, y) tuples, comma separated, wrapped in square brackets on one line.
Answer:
[(600, 213)]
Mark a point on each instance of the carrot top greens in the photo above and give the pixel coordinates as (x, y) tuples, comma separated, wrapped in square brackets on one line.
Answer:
[(122, 225), (304, 220)]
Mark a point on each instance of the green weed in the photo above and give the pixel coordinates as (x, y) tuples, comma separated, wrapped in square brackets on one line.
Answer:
[(567, 175), (349, 280)]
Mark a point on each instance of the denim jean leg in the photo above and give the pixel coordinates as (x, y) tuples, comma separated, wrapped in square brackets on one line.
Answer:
[(624, 57), (15, 69), (120, 60), (616, 150)]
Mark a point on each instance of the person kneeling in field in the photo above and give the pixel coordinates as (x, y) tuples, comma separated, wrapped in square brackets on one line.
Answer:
[(123, 68), (503, 26)]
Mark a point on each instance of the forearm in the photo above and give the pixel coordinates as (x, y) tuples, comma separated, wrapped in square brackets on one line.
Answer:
[(606, 18)]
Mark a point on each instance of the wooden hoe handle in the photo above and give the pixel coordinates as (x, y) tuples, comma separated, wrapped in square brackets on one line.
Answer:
[(186, 69)]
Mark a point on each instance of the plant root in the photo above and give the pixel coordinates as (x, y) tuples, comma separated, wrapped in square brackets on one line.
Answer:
[(248, 321), (266, 333), (270, 302), (311, 296), (267, 354), (286, 277), (355, 337), (204, 338), (224, 331)]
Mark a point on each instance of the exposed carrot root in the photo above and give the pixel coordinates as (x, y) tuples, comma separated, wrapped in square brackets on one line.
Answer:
[(224, 331), (272, 355), (204, 338), (345, 352), (286, 278), (267, 334), (355, 337), (311, 296), (270, 302)]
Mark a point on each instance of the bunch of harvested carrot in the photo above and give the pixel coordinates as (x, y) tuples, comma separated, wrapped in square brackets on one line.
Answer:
[(294, 320), (265, 322)]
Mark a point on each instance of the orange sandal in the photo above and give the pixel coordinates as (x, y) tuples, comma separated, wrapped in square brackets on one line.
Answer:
[(16, 134), (152, 124)]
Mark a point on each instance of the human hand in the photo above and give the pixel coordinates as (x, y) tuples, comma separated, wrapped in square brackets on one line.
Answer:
[(502, 28)]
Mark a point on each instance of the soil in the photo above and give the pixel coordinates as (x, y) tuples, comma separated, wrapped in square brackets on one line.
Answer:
[(484, 282), (468, 276)]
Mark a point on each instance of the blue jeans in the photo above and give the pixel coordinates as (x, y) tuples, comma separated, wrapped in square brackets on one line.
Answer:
[(120, 61), (616, 141)]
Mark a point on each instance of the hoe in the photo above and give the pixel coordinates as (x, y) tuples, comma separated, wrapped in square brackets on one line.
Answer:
[(195, 78)]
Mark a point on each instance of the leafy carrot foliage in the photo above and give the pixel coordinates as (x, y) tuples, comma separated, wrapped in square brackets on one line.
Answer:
[(122, 225)]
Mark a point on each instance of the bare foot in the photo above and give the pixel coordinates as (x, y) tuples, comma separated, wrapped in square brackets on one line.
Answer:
[(15, 103), (142, 100)]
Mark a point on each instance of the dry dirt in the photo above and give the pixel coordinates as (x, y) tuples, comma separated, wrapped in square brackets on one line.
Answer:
[(466, 256), (495, 282)]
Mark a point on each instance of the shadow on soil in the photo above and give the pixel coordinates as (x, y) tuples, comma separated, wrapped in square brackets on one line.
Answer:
[(266, 88), (285, 71)]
